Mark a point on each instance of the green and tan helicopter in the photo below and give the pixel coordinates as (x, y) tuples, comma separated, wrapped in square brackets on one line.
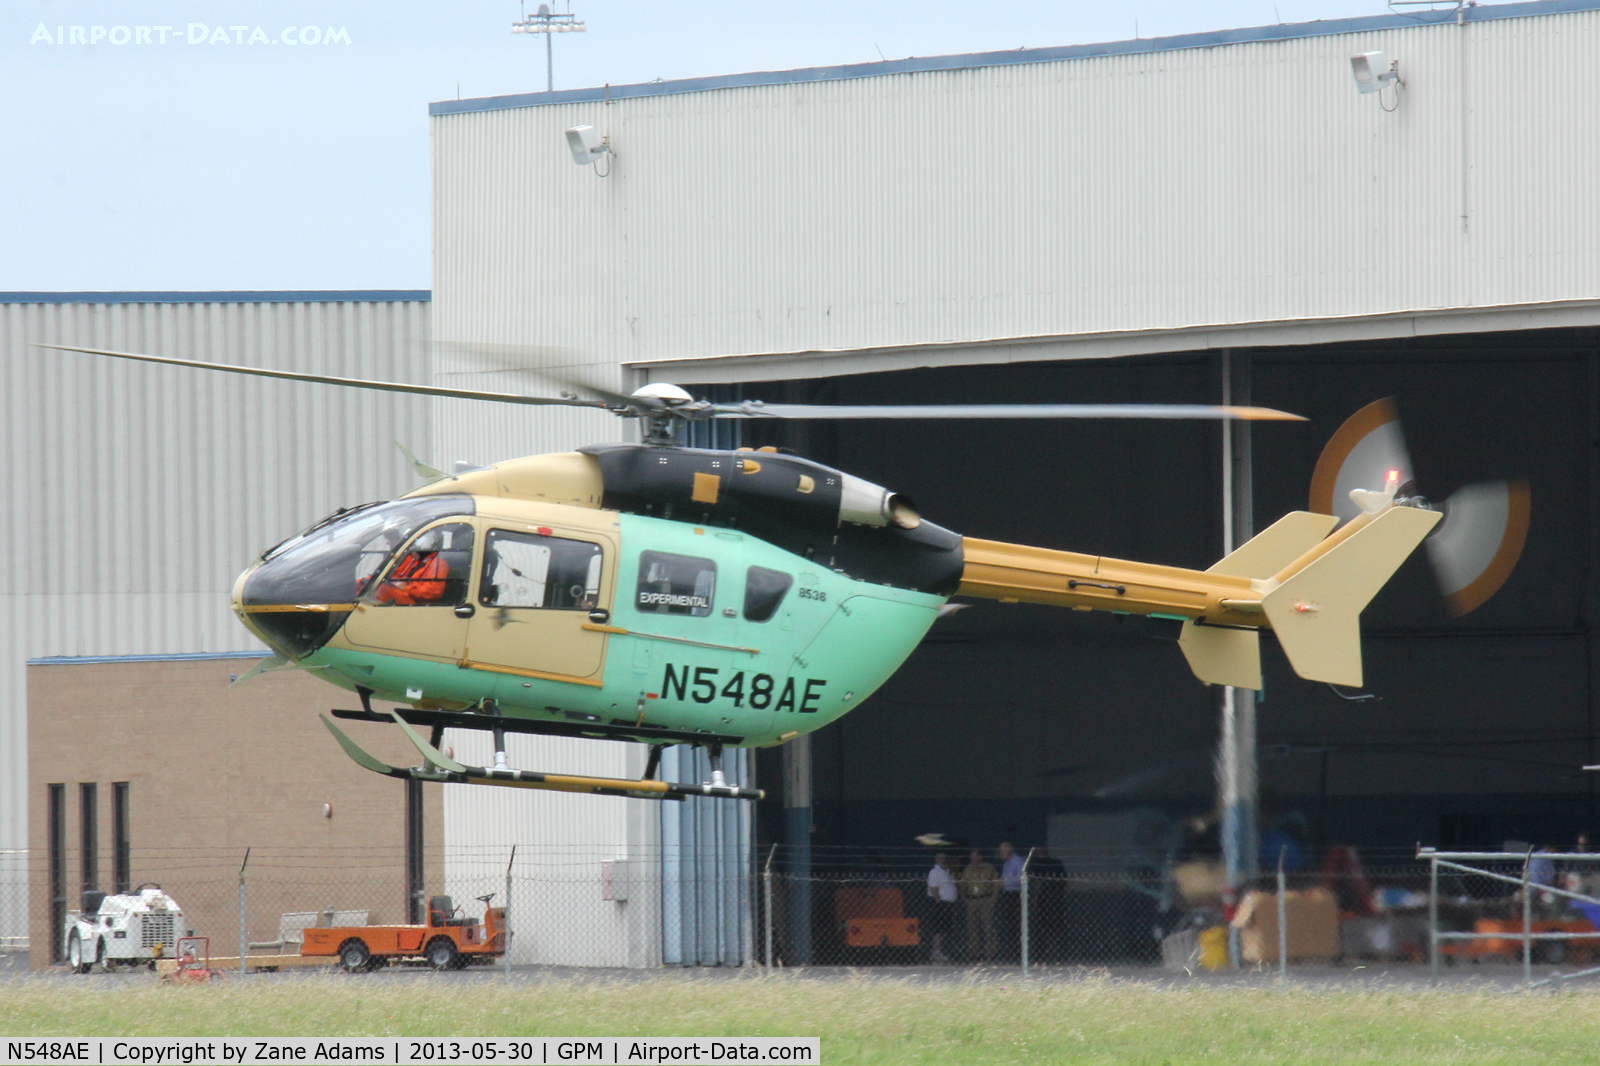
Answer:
[(660, 594)]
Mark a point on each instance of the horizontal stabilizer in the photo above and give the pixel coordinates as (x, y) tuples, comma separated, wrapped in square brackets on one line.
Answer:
[(1222, 655), (1276, 547), (1316, 612)]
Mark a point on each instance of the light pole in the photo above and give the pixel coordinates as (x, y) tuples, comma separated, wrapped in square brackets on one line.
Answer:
[(543, 21)]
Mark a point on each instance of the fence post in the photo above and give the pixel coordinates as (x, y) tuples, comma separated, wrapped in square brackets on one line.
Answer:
[(766, 877), (505, 956), (1024, 922), (1527, 920), (244, 945), (1283, 925), (1433, 919)]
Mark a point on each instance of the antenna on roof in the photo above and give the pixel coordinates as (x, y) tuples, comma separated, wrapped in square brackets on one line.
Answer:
[(545, 22)]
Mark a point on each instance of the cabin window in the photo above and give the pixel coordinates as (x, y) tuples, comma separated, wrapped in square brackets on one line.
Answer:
[(675, 584), (433, 571), (529, 570), (764, 591)]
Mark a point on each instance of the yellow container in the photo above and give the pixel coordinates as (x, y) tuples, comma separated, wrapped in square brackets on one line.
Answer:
[(1214, 947)]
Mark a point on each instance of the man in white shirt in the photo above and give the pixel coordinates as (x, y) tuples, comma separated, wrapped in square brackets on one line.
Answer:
[(944, 900)]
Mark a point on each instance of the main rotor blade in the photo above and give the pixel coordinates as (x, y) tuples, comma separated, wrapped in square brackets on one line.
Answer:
[(510, 359), (756, 409), (354, 383)]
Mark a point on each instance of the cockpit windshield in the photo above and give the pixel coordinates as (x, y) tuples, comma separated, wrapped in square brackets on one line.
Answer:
[(336, 559)]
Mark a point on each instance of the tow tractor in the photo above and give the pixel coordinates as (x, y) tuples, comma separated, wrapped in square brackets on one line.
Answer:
[(448, 942), (122, 929)]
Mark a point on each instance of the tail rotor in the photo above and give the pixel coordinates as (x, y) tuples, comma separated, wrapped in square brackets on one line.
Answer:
[(1473, 550)]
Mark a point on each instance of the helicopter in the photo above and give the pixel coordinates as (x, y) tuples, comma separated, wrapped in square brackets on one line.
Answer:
[(661, 594)]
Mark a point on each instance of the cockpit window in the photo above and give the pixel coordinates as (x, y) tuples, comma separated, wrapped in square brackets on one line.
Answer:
[(335, 560), (433, 571)]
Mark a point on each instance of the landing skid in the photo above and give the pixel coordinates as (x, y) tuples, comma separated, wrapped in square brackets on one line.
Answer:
[(440, 767), (616, 729)]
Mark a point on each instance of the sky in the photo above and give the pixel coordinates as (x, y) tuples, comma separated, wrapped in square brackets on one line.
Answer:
[(246, 144)]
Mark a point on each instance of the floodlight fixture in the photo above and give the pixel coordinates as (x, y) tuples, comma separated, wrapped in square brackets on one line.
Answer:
[(1374, 71), (587, 145)]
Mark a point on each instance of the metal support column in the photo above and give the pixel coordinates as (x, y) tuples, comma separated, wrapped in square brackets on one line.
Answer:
[(1025, 926), (416, 913), (1236, 755), (1283, 920), (244, 939), (505, 948), (797, 838), (1527, 921), (766, 912), (1433, 919)]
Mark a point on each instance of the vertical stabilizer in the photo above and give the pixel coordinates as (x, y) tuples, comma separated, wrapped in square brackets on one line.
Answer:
[(1316, 611)]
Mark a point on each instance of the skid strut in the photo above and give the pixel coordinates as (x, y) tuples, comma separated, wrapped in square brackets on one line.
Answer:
[(440, 767)]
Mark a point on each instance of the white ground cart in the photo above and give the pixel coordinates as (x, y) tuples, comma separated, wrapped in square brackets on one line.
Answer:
[(124, 929)]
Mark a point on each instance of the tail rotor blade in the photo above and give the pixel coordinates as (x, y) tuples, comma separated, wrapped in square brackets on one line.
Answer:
[(1479, 542)]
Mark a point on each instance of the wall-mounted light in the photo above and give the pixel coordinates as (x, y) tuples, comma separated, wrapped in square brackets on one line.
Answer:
[(1374, 71), (327, 810), (588, 146)]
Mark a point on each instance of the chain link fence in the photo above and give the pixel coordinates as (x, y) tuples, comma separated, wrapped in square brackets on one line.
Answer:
[(565, 906), (625, 907), (1086, 910)]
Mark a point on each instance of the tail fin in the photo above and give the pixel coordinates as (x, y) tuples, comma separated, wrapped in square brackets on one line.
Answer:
[(1316, 610), (1220, 655)]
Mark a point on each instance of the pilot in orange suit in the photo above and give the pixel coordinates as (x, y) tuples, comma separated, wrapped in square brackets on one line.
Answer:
[(418, 578)]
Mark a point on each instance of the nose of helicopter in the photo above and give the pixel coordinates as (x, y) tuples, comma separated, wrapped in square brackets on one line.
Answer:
[(293, 630)]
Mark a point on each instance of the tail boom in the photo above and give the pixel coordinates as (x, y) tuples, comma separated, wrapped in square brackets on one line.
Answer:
[(1019, 573), (1294, 578)]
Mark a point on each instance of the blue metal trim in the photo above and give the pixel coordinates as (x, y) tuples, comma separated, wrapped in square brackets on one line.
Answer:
[(86, 660), (919, 64), (236, 296)]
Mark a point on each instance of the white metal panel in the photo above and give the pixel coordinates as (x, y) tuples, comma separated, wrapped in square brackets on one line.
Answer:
[(1234, 184), (136, 494)]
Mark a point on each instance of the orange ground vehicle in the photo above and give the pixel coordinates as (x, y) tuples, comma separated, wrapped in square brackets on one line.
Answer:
[(447, 942)]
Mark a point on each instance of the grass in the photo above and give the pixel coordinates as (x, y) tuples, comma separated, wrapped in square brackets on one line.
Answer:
[(862, 1020)]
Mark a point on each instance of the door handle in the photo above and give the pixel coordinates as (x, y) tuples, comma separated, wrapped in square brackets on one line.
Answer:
[(600, 616), (466, 610)]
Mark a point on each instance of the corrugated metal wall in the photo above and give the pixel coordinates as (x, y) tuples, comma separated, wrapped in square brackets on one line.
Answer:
[(1241, 183), (136, 494)]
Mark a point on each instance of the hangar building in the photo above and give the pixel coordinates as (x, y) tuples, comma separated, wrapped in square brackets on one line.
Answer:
[(1211, 217)]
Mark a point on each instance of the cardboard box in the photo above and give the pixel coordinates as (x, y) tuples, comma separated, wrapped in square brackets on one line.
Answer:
[(1311, 917)]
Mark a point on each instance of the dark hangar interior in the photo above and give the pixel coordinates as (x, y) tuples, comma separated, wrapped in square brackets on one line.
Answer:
[(1009, 714)]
